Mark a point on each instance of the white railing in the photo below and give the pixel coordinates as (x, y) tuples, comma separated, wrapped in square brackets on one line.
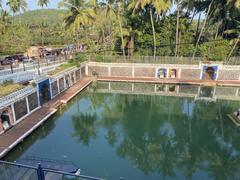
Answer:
[(33, 66), (7, 100), (27, 75), (19, 77), (156, 60)]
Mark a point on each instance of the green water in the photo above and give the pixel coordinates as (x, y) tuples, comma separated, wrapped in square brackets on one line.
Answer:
[(140, 137)]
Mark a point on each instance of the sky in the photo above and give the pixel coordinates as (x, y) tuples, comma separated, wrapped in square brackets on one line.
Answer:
[(32, 4)]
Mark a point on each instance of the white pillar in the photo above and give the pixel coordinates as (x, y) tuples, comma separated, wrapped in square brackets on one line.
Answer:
[(109, 71), (74, 76), (13, 112), (58, 86), (38, 97), (50, 87), (201, 74), (109, 86), (237, 91), (27, 103), (132, 87), (133, 71), (177, 89), (168, 71), (156, 72), (179, 73), (217, 73), (64, 79), (86, 70), (80, 72)]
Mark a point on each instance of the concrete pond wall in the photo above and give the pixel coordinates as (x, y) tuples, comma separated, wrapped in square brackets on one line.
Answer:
[(18, 105), (203, 71)]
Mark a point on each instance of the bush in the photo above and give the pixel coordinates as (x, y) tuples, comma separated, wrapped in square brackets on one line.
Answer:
[(215, 50), (102, 58), (80, 57)]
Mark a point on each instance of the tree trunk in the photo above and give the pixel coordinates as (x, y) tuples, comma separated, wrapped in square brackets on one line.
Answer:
[(42, 38), (121, 32), (217, 30), (154, 35), (203, 27), (179, 42), (198, 24), (187, 11), (131, 46), (232, 50), (177, 30)]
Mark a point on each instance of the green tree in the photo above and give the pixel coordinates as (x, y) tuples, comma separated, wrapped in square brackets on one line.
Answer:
[(203, 26), (237, 40), (116, 7), (5, 21), (43, 2), (215, 50), (152, 6), (81, 13), (17, 5)]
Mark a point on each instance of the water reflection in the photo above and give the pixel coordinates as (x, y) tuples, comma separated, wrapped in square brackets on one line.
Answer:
[(152, 135), (210, 93), (85, 127), (167, 135), (206, 92)]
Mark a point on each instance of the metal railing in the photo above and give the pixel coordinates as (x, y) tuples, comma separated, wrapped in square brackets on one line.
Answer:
[(15, 171), (156, 60), (233, 61), (44, 62), (16, 95)]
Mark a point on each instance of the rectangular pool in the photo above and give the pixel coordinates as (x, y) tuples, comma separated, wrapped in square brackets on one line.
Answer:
[(143, 132)]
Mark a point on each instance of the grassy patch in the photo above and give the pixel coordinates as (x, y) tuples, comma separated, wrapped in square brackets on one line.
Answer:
[(79, 58), (9, 87), (63, 67)]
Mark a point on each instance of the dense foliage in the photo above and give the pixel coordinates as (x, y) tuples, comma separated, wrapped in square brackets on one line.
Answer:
[(39, 27), (133, 27)]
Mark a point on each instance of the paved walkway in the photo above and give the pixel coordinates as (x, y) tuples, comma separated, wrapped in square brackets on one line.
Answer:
[(17, 133), (169, 81)]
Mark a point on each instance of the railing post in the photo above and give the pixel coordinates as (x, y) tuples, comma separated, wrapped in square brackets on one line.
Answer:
[(40, 172)]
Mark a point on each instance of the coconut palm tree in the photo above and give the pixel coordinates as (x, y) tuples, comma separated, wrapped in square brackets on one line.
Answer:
[(81, 13), (177, 27), (17, 5), (203, 26), (115, 7), (43, 2), (5, 21), (153, 7)]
